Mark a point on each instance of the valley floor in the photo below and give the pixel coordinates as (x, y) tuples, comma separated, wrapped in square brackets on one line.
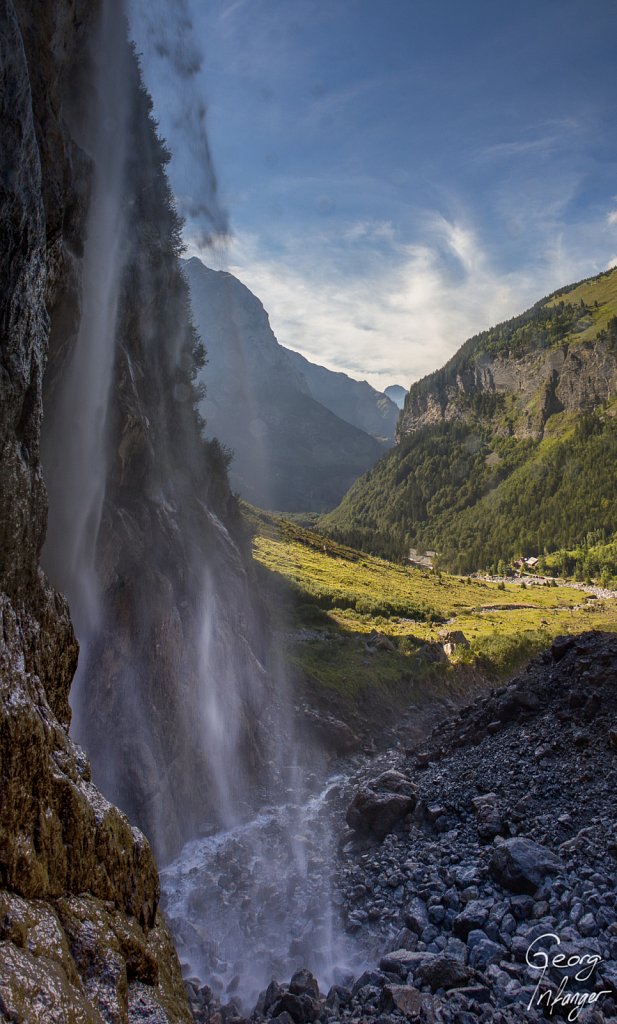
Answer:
[(369, 640)]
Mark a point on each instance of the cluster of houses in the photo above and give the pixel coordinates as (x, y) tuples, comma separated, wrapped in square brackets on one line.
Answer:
[(425, 560)]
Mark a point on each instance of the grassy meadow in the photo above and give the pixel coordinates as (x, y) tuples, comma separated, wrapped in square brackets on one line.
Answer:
[(326, 600)]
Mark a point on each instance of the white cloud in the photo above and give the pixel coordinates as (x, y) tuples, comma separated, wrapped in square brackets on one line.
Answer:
[(408, 309), (611, 218)]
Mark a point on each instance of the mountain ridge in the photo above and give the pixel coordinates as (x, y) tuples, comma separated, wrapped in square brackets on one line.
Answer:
[(508, 448), (292, 451)]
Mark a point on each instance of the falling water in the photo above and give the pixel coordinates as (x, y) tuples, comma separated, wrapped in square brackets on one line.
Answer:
[(255, 901), (74, 435)]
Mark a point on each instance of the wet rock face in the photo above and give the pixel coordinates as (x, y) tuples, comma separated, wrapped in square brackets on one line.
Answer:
[(79, 959), (81, 939), (173, 617), (23, 321)]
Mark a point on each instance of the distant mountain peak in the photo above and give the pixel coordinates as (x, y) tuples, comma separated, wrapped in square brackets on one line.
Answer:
[(397, 394)]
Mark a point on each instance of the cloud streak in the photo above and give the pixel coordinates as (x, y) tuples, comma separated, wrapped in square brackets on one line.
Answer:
[(411, 307)]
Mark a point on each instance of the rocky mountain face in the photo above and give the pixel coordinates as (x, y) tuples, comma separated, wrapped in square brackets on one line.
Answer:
[(506, 451), (144, 534), (538, 385), (300, 434), (81, 938), (354, 401), (556, 357)]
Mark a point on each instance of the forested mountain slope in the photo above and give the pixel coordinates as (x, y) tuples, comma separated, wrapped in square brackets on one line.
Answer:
[(509, 449)]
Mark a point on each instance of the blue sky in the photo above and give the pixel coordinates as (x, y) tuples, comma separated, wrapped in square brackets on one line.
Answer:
[(397, 174)]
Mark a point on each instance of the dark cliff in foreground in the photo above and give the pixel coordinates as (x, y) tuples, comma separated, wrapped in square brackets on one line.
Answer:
[(81, 938), (509, 449), (144, 534), (143, 537)]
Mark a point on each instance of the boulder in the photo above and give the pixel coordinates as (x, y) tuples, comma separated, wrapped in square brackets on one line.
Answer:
[(369, 979), (403, 998), (453, 639), (401, 961), (489, 821), (521, 865), (337, 997), (303, 983), (336, 735), (394, 782), (473, 917), (378, 806), (416, 915), (379, 642), (442, 971), (485, 952), (291, 1004)]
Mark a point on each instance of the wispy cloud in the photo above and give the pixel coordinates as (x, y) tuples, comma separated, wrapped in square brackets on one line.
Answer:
[(538, 140), (408, 310)]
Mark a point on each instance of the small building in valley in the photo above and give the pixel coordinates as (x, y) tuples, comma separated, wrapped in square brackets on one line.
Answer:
[(424, 559)]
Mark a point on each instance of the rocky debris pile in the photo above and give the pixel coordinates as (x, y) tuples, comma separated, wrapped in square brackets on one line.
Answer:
[(492, 894), (513, 837)]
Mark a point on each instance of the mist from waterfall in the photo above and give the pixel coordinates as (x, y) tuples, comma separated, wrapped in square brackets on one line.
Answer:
[(180, 702)]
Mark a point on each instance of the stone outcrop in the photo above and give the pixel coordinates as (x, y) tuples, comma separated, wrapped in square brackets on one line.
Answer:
[(572, 378), (81, 938), (379, 806)]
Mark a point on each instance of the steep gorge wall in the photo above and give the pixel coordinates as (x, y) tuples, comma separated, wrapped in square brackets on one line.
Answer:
[(81, 938)]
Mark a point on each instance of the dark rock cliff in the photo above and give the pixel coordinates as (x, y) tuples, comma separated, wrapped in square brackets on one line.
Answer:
[(80, 935), (174, 625), (539, 384)]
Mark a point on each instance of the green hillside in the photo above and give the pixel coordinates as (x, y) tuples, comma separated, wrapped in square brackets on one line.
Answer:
[(504, 473), (328, 601)]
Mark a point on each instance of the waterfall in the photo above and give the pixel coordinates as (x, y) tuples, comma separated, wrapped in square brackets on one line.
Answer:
[(75, 432), (181, 705)]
